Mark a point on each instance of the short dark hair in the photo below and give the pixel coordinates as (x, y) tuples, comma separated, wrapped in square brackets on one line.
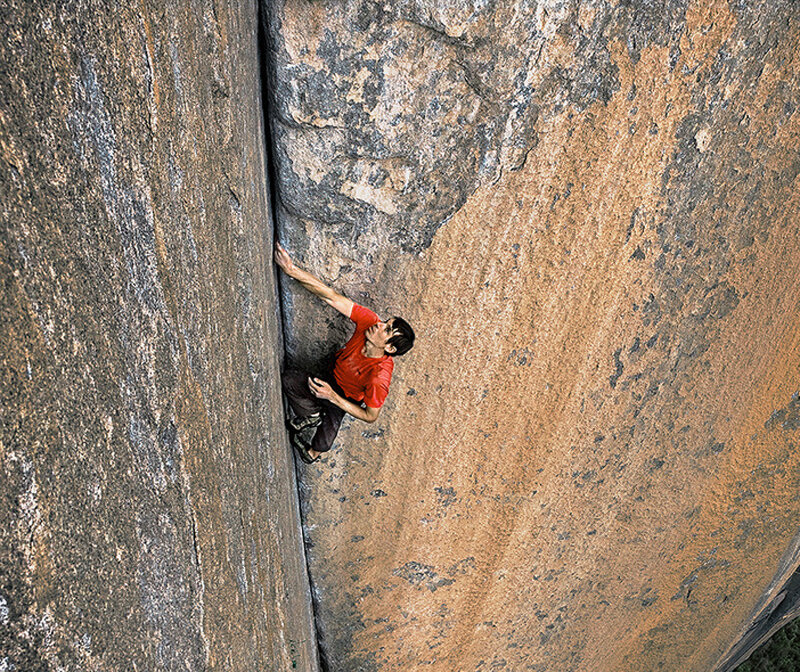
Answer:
[(402, 338)]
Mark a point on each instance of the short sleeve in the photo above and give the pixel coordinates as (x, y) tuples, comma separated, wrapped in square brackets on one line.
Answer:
[(363, 317)]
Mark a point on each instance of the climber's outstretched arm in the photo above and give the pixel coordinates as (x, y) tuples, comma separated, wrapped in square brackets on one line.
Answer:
[(312, 283)]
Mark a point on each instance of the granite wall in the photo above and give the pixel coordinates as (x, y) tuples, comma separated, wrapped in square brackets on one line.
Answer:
[(589, 212), (148, 508)]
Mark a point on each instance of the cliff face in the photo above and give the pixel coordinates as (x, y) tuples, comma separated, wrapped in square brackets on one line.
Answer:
[(589, 213), (149, 517)]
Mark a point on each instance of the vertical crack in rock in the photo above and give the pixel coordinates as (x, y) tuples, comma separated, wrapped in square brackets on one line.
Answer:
[(264, 52), (265, 80)]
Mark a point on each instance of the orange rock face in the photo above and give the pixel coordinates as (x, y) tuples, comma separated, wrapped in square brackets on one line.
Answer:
[(589, 461)]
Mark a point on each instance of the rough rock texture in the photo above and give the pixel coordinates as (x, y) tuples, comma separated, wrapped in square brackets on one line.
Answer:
[(148, 514), (589, 211)]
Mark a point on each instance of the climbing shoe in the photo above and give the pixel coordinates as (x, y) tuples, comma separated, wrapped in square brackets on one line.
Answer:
[(302, 447), (301, 422)]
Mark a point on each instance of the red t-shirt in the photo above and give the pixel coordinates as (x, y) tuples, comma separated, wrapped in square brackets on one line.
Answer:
[(363, 378)]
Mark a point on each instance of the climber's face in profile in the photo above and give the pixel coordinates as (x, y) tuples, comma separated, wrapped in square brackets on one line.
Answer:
[(379, 335)]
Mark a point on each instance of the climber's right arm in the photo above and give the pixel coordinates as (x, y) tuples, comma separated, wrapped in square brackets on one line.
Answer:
[(312, 283)]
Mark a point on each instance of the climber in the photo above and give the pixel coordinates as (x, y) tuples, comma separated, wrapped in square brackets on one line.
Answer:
[(359, 380)]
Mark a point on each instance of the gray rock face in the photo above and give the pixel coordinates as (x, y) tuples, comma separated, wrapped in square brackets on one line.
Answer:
[(426, 101), (148, 514)]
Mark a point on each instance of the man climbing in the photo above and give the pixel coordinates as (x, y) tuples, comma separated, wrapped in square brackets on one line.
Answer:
[(359, 381)]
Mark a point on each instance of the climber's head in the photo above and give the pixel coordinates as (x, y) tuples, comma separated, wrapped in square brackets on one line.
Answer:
[(395, 336), (402, 339)]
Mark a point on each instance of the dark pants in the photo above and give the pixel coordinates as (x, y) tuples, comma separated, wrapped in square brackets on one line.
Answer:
[(304, 403)]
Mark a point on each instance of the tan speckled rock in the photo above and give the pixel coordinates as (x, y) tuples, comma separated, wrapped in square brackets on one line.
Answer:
[(148, 514), (589, 212)]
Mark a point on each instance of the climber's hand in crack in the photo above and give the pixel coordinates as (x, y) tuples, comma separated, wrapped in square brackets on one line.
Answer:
[(312, 283), (283, 260)]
